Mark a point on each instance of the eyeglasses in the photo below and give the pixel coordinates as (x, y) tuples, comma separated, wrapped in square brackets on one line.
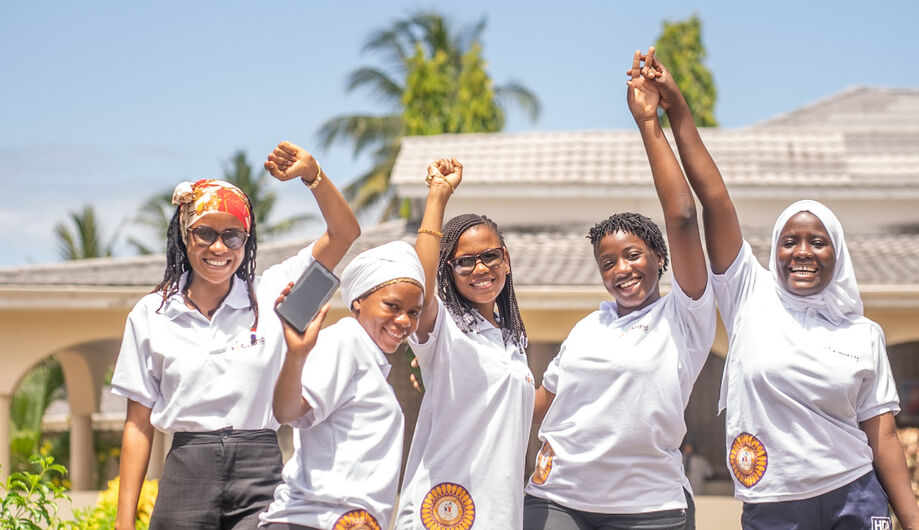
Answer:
[(464, 265), (205, 236)]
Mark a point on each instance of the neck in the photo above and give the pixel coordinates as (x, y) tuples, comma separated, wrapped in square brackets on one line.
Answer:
[(488, 312), (204, 297)]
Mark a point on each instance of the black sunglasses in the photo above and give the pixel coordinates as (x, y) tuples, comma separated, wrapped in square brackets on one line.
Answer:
[(464, 265), (205, 236)]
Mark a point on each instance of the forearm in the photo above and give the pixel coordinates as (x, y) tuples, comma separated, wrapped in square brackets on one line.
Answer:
[(136, 442), (342, 226), (427, 245), (541, 405), (288, 401), (890, 465)]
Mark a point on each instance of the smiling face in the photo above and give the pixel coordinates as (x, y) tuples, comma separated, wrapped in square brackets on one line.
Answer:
[(629, 269), (215, 263), (390, 314), (482, 286), (805, 256)]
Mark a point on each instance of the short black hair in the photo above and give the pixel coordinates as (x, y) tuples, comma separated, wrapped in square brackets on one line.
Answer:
[(637, 225)]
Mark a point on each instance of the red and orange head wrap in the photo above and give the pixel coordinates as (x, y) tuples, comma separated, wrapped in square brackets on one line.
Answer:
[(209, 196)]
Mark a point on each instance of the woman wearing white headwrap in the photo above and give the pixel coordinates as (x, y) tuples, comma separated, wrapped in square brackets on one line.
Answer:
[(807, 385), (348, 444)]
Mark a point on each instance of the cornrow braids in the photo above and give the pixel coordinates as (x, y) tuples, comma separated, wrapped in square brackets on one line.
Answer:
[(637, 225), (177, 263), (460, 308)]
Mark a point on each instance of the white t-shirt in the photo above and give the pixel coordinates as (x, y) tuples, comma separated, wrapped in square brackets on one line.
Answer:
[(795, 387), (468, 455), (612, 435), (197, 374), (348, 447)]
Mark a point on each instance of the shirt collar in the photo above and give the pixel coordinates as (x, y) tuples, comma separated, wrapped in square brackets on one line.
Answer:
[(238, 298)]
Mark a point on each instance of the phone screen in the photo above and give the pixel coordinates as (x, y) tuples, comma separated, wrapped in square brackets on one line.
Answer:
[(310, 292)]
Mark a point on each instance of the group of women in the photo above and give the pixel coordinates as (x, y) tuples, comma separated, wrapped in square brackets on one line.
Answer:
[(807, 388)]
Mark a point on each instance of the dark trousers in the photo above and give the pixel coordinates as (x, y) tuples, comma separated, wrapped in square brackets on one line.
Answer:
[(219, 479), (859, 505), (541, 514)]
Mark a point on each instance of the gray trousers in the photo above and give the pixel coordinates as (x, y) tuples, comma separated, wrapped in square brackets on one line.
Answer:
[(220, 480), (541, 514)]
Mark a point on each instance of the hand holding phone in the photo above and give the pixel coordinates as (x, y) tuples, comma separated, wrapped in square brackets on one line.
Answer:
[(307, 296)]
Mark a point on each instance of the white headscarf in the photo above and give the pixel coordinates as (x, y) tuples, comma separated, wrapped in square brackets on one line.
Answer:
[(839, 300), (396, 260)]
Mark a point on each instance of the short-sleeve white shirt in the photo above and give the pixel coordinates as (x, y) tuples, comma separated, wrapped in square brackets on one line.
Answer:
[(348, 447), (795, 387), (621, 385), (197, 374), (473, 426)]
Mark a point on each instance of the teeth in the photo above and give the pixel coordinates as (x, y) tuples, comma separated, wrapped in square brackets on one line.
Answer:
[(396, 336), (628, 283), (216, 263), (481, 283), (803, 269)]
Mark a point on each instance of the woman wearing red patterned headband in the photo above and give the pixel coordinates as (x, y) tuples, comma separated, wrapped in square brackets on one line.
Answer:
[(201, 354)]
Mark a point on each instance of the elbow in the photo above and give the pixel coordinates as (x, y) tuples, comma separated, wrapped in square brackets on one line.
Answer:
[(683, 217)]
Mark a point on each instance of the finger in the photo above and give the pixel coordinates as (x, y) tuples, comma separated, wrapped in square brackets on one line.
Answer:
[(414, 363), (271, 167), (280, 154), (281, 161), (636, 64), (289, 148), (649, 60), (433, 170), (284, 292), (317, 321), (456, 163)]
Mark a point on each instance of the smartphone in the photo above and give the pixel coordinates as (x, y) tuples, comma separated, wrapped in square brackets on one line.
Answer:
[(309, 293)]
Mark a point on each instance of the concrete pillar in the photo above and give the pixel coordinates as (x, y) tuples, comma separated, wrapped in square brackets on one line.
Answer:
[(82, 453), (4, 436)]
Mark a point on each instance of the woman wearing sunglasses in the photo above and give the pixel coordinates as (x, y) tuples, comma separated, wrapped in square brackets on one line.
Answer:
[(616, 391), (201, 354), (466, 463)]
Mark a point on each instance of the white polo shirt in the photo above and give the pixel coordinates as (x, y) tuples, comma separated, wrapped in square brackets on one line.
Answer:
[(348, 447), (612, 434), (467, 461), (197, 374), (795, 387)]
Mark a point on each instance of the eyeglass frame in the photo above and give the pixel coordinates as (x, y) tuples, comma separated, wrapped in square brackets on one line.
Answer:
[(217, 235), (478, 258)]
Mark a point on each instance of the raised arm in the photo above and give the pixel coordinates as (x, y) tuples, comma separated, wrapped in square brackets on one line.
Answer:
[(289, 161), (723, 236), (689, 266), (443, 178), (288, 401)]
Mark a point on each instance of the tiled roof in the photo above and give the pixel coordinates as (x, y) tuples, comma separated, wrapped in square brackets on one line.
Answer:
[(575, 163), (541, 256), (856, 108)]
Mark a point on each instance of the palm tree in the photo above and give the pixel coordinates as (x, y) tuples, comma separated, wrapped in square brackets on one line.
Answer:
[(380, 135), (158, 210), (85, 241)]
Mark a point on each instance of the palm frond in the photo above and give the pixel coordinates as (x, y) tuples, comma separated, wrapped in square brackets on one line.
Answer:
[(364, 131), (515, 93), (377, 82)]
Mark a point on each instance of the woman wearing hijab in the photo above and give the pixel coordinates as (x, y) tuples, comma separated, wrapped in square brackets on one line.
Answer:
[(201, 354), (807, 386), (344, 473), (466, 464)]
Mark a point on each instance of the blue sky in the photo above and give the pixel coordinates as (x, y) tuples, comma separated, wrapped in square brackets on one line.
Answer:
[(107, 103)]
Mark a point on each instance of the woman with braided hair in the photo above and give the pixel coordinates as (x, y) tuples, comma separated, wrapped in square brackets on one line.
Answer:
[(613, 398), (466, 464), (201, 354)]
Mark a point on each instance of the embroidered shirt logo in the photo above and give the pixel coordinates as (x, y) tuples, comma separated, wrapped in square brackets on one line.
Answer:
[(242, 345), (356, 520), (447, 506), (881, 523), (842, 353), (748, 459), (637, 327)]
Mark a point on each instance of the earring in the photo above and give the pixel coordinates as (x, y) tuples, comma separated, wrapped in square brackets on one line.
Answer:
[(507, 269)]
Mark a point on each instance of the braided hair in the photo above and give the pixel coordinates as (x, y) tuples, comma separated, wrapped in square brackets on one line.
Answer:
[(637, 225), (460, 308), (177, 263)]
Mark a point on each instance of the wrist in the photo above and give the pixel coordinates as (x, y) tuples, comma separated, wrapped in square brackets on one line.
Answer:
[(314, 181)]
